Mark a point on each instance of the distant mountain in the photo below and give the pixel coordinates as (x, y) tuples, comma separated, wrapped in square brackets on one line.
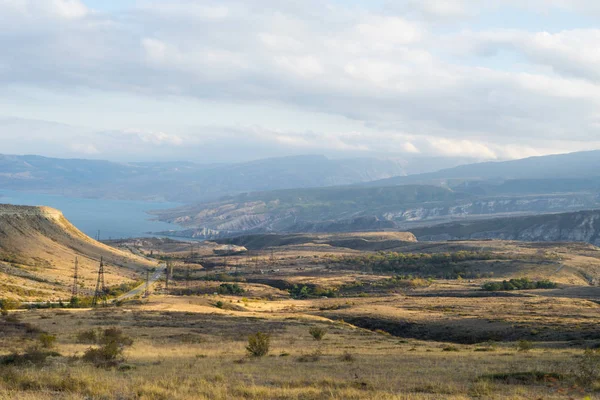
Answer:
[(184, 181), (333, 209), (351, 208), (563, 167), (583, 226)]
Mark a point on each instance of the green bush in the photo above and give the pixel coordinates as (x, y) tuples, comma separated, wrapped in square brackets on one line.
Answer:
[(258, 344), (230, 288), (317, 333), (518, 284), (46, 340), (299, 292), (110, 352)]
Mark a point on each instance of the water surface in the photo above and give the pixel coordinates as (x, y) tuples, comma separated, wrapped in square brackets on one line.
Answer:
[(113, 218)]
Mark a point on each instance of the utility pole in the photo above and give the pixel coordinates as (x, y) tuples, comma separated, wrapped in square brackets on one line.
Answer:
[(75, 290), (187, 277), (167, 275), (147, 292), (100, 293)]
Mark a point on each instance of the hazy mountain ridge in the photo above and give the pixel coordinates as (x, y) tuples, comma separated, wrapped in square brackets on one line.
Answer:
[(477, 191), (572, 166), (184, 181), (347, 211)]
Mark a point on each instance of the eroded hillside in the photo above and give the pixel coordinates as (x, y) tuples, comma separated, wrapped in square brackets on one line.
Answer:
[(38, 246)]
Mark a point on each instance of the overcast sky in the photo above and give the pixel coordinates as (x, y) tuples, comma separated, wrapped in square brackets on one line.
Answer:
[(226, 80)]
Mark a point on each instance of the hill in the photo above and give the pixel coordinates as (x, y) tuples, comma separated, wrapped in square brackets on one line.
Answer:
[(561, 167), (583, 226), (363, 241), (336, 209), (352, 209), (38, 246), (184, 181)]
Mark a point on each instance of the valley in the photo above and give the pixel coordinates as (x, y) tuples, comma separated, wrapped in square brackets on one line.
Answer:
[(395, 317)]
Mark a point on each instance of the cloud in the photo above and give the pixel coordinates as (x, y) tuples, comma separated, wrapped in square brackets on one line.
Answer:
[(83, 148), (459, 91)]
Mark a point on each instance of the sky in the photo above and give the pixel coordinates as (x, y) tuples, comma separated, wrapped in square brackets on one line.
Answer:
[(233, 80)]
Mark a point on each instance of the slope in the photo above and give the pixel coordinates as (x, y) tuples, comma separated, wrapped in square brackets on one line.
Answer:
[(38, 246), (583, 226), (334, 209)]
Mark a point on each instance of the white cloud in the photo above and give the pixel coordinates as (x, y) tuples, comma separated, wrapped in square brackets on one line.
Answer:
[(84, 148), (155, 138), (464, 91)]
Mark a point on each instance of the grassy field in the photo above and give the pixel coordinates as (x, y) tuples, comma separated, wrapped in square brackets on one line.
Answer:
[(189, 349), (387, 336)]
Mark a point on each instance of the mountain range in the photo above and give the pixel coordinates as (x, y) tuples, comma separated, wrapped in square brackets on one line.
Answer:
[(184, 181), (464, 193)]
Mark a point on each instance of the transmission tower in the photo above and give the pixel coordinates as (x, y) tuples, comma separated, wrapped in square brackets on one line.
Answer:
[(167, 276), (75, 290), (147, 291), (100, 293)]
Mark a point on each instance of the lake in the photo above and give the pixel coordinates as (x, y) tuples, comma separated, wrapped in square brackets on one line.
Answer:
[(114, 218)]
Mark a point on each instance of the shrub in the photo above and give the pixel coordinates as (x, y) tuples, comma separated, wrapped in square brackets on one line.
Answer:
[(31, 356), (258, 344), (46, 340), (9, 304), (310, 357), (110, 353), (347, 357), (88, 336), (524, 345), (587, 368), (317, 333), (518, 284), (299, 292), (230, 288), (450, 348)]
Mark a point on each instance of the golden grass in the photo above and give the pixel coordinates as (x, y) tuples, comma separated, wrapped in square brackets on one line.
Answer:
[(186, 349)]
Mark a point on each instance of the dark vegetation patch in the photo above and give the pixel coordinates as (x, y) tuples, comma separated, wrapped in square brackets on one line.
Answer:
[(518, 284), (31, 356), (523, 378), (469, 330), (423, 265)]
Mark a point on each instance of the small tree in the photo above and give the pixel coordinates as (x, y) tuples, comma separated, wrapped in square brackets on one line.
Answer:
[(317, 333), (258, 344)]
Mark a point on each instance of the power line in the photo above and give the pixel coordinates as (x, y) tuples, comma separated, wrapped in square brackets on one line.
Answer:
[(75, 290), (147, 292), (100, 293)]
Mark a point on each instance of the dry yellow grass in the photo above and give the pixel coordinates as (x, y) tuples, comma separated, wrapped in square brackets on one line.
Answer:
[(185, 348)]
